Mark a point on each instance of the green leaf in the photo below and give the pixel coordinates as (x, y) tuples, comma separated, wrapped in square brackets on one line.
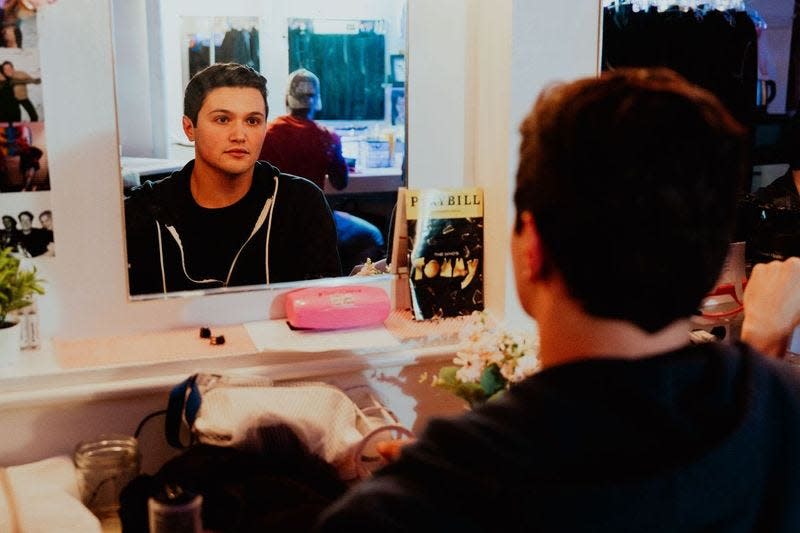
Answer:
[(492, 380), (17, 287), (496, 396), (471, 392)]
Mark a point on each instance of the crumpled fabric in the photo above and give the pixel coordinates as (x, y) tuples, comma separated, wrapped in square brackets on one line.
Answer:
[(323, 417)]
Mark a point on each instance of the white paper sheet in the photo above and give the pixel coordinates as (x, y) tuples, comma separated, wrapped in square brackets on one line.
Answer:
[(276, 336)]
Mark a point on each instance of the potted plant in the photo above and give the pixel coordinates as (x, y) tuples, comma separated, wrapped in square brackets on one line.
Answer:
[(17, 288)]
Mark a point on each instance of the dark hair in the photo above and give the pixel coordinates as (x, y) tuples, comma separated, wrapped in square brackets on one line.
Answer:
[(631, 179), (4, 63), (30, 215), (45, 212), (12, 219), (220, 75), (17, 34)]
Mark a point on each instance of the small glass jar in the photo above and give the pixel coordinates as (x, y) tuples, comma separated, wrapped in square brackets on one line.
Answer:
[(104, 465)]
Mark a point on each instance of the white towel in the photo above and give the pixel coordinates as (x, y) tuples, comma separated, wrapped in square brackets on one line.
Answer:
[(46, 499), (322, 416)]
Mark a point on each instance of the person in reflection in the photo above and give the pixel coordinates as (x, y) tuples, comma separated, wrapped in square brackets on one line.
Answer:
[(227, 219), (9, 235), (627, 426), (299, 146), (33, 241)]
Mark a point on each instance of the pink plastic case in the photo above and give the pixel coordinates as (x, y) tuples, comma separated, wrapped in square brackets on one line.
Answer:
[(337, 307)]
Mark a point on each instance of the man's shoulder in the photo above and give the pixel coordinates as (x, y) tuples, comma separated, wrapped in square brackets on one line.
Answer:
[(154, 199), (298, 185)]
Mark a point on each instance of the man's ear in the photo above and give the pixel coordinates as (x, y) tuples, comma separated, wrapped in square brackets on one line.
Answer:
[(532, 249), (188, 128)]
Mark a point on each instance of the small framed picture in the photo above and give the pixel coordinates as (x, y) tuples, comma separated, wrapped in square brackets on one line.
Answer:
[(398, 65), (398, 100)]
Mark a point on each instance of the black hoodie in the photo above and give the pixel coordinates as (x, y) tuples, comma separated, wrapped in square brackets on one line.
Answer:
[(288, 212), (706, 438)]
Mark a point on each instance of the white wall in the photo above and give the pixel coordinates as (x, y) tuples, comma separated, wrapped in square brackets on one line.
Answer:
[(133, 75), (775, 46), (553, 41)]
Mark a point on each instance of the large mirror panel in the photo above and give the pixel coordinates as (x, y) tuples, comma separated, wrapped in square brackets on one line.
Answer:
[(748, 54), (352, 138)]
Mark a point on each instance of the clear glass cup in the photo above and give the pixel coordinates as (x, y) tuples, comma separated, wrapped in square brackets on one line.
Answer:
[(104, 465)]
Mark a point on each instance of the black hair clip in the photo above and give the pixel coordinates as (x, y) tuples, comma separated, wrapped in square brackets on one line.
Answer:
[(219, 339), (205, 333)]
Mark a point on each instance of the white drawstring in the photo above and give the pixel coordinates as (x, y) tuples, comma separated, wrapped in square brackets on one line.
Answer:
[(174, 233), (265, 211), (161, 259), (269, 230)]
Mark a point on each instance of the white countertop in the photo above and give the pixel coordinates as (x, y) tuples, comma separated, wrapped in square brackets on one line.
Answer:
[(114, 366)]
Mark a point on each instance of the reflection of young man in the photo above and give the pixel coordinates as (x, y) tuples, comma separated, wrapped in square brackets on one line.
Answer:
[(226, 219), (627, 427)]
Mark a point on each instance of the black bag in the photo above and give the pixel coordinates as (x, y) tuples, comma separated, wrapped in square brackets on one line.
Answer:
[(282, 487)]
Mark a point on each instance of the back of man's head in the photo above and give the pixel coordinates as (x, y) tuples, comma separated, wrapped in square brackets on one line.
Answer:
[(302, 91), (631, 179), (216, 76)]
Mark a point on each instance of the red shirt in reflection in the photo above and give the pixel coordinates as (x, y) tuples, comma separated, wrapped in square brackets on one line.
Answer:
[(302, 147)]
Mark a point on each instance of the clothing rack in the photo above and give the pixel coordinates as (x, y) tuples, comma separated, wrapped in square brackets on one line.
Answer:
[(685, 5)]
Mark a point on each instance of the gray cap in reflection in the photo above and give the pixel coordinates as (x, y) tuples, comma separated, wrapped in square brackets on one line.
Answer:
[(302, 90)]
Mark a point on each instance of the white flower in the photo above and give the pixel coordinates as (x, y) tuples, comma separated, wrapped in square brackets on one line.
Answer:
[(526, 366), (471, 367), (485, 344)]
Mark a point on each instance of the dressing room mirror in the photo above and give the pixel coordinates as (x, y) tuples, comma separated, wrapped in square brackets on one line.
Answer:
[(357, 51), (750, 58)]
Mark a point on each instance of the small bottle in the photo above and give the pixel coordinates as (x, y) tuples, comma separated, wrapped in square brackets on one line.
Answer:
[(31, 324), (174, 510), (24, 332)]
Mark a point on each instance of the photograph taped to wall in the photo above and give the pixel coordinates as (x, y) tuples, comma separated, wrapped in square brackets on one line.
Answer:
[(18, 28), (23, 158), (27, 223), (398, 102), (20, 86)]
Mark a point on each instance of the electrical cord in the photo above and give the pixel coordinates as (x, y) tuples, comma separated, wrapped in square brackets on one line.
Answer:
[(146, 419)]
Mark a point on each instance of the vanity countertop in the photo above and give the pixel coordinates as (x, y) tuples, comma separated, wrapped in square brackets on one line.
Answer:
[(110, 366)]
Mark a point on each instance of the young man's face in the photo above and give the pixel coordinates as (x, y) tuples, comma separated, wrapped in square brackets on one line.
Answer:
[(25, 222), (229, 132), (46, 221)]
